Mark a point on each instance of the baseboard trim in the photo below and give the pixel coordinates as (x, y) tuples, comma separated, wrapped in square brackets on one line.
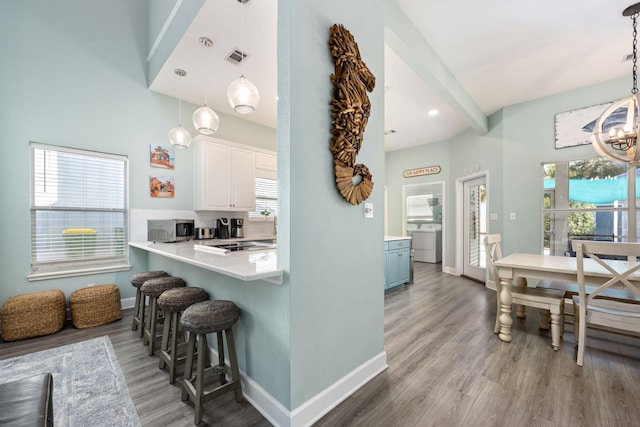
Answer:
[(128, 302), (450, 270), (316, 407)]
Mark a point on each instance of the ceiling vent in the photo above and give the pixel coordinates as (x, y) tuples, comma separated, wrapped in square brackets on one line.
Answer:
[(237, 56), (627, 58), (390, 132)]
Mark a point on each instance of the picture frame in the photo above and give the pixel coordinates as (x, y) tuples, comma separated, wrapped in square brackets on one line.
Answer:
[(574, 128), (161, 186), (161, 157)]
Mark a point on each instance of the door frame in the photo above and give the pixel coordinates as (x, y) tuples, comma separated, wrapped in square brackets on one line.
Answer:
[(459, 234)]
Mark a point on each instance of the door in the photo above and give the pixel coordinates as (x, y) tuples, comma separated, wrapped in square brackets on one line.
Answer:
[(475, 227)]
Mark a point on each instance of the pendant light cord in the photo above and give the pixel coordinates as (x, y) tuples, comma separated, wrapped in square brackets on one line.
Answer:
[(635, 54)]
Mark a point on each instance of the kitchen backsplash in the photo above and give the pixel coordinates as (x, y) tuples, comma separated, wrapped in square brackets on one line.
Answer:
[(138, 221)]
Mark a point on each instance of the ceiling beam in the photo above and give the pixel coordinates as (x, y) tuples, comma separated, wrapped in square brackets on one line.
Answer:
[(409, 44)]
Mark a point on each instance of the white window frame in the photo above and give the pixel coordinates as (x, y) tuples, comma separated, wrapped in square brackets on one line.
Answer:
[(255, 215), (55, 253)]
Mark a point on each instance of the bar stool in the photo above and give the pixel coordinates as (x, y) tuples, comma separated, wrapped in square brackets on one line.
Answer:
[(138, 312), (201, 319), (172, 303), (153, 288)]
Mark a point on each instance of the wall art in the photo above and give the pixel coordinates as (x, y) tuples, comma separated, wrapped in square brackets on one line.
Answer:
[(161, 186), (574, 127), (161, 157), (350, 109)]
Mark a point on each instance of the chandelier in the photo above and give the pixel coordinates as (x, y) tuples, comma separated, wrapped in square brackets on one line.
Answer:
[(615, 135)]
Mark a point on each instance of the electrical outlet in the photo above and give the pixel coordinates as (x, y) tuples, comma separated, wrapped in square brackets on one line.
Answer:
[(512, 216)]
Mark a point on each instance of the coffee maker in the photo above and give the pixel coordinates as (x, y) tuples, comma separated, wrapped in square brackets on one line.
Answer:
[(222, 228), (237, 227)]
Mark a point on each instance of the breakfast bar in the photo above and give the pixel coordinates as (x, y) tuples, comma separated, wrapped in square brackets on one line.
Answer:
[(259, 263)]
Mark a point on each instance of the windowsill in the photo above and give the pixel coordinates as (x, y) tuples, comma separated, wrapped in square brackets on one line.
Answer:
[(260, 219), (72, 273)]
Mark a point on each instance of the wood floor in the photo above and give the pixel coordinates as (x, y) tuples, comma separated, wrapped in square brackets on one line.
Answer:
[(444, 369)]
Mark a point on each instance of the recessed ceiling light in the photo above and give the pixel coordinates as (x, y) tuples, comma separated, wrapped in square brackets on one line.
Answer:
[(433, 112)]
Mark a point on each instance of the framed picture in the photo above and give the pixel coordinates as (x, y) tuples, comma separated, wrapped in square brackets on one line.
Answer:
[(575, 127), (161, 186), (161, 157)]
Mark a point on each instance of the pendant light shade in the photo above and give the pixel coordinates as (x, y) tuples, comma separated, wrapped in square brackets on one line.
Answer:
[(179, 137), (243, 95), (615, 134), (205, 120)]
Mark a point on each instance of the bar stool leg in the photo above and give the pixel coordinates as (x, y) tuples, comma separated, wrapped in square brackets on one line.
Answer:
[(141, 316), (151, 329), (188, 367), (202, 350), (220, 369), (136, 311), (164, 346), (233, 360)]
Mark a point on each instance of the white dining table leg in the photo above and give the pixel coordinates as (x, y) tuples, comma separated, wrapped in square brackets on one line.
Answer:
[(505, 309)]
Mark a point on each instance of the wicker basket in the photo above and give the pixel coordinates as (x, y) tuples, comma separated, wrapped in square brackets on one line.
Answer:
[(95, 305), (33, 315)]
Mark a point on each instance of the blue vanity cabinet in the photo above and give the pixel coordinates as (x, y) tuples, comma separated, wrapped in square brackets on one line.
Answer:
[(397, 262)]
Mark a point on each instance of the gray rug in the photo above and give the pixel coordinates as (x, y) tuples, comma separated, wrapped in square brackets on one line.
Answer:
[(89, 388)]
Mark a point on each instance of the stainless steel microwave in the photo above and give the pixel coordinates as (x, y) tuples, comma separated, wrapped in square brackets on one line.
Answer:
[(170, 230)]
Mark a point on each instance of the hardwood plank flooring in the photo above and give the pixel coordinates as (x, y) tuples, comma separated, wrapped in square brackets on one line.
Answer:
[(446, 368)]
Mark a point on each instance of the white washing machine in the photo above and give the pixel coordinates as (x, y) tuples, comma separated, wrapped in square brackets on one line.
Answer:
[(427, 243)]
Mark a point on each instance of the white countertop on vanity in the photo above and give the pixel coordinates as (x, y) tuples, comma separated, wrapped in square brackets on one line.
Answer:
[(244, 265), (391, 238)]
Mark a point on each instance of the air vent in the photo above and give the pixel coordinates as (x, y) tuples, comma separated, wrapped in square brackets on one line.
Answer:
[(237, 56), (627, 58), (390, 131)]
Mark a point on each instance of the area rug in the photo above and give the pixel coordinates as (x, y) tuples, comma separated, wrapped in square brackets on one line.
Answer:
[(89, 388)]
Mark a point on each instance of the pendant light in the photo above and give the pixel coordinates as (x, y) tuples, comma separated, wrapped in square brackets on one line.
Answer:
[(242, 94), (615, 135), (179, 137), (205, 120)]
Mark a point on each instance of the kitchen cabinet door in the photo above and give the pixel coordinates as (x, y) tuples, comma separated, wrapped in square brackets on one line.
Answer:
[(224, 177), (397, 263)]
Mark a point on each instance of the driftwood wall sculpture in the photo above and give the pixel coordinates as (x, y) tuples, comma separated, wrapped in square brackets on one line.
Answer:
[(350, 109)]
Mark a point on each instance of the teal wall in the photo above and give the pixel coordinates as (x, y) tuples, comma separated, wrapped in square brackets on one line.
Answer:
[(334, 257), (73, 80), (521, 137)]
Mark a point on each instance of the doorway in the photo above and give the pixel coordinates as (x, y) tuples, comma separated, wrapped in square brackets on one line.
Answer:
[(423, 210), (473, 192)]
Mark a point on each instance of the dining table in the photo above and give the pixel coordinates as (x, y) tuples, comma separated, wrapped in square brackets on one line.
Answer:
[(547, 267)]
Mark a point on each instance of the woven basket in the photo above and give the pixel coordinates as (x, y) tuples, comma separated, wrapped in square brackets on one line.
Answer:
[(33, 315), (95, 305)]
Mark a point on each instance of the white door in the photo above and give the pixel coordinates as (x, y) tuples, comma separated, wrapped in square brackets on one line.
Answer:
[(475, 227)]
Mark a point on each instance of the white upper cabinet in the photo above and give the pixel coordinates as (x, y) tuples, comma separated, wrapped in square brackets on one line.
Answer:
[(224, 176)]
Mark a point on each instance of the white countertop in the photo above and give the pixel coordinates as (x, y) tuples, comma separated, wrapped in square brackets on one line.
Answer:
[(391, 238), (244, 265)]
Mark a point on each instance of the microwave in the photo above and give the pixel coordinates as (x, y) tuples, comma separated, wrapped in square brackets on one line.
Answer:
[(170, 230)]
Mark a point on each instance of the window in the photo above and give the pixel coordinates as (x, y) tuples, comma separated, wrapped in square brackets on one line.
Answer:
[(79, 207), (266, 198), (585, 199)]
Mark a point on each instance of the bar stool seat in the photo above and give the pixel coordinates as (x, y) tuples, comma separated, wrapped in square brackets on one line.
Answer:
[(172, 303), (138, 311), (201, 319), (153, 288)]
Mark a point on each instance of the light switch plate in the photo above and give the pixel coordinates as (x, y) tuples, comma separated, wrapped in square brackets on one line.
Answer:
[(512, 216), (368, 210)]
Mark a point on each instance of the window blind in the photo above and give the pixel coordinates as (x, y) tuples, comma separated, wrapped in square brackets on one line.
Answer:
[(266, 198), (79, 210)]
